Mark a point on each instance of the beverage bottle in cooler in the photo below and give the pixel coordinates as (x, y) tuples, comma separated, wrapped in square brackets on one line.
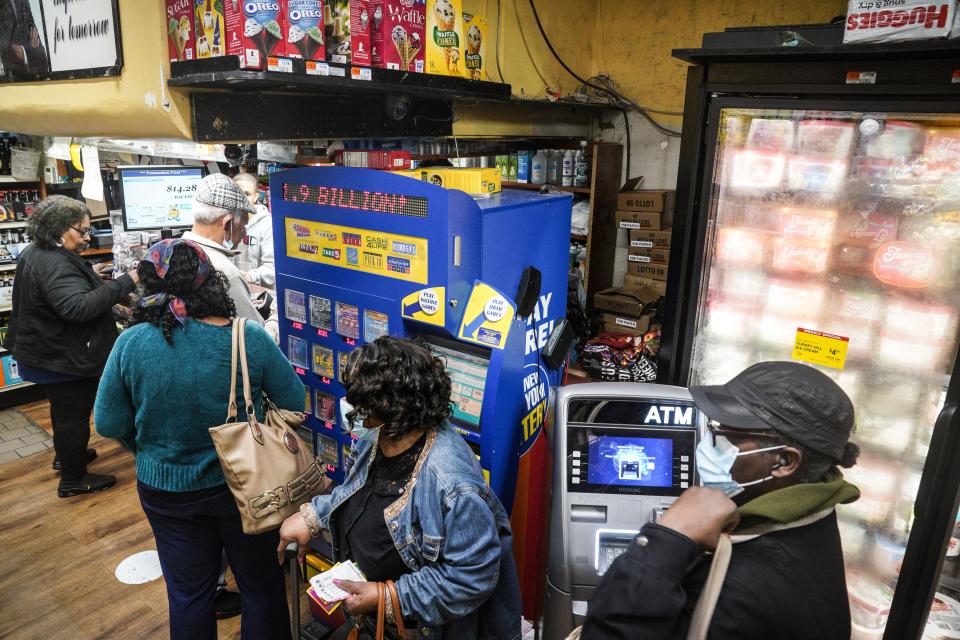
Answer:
[(538, 168), (554, 167), (512, 168), (566, 179), (581, 170)]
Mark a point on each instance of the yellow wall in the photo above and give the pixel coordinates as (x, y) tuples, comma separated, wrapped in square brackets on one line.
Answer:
[(635, 39), (131, 106)]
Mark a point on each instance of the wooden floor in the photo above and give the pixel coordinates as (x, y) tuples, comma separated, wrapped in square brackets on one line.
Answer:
[(58, 556)]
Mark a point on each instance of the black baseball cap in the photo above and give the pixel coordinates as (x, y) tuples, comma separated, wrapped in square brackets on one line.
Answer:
[(793, 399)]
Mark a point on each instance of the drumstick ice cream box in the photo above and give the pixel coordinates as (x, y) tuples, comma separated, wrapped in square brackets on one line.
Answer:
[(397, 34), (444, 37), (209, 28)]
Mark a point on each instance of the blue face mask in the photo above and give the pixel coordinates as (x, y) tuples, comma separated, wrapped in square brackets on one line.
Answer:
[(714, 464), (358, 430)]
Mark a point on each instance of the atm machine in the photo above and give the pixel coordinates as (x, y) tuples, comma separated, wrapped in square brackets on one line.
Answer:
[(363, 253), (623, 452)]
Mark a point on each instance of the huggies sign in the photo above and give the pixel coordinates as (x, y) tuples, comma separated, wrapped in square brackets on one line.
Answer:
[(897, 20)]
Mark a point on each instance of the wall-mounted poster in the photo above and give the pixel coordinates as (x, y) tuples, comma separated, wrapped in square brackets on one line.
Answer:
[(59, 39)]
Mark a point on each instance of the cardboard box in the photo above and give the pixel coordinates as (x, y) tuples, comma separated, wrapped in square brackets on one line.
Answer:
[(631, 198), (474, 47), (655, 271), (649, 256), (643, 239), (181, 35), (397, 34), (631, 325), (347, 29), (469, 180), (634, 281), (372, 159), (254, 32), (209, 28), (444, 37), (645, 220), (305, 38), (625, 301)]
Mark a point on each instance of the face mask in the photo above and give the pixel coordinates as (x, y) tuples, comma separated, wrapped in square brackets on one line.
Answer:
[(358, 430), (714, 464)]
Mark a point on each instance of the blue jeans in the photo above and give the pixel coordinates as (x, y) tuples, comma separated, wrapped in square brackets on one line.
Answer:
[(191, 529)]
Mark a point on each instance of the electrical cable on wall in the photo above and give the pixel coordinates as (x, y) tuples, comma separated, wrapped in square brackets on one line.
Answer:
[(499, 20), (618, 99)]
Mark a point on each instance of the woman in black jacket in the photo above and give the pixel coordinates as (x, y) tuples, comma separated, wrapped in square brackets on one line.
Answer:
[(62, 330)]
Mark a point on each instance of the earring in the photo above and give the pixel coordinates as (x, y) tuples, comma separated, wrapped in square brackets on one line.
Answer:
[(60, 243)]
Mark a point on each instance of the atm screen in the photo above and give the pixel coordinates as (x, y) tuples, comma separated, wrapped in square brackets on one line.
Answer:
[(630, 461), (468, 376)]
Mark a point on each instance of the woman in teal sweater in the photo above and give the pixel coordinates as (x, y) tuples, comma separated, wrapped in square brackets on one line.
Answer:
[(165, 384)]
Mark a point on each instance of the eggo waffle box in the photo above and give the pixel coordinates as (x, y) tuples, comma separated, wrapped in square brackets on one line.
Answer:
[(474, 46), (397, 34), (347, 28), (255, 30), (444, 35), (209, 28), (305, 38), (181, 38)]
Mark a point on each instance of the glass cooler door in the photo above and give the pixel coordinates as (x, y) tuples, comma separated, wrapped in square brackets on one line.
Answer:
[(833, 238)]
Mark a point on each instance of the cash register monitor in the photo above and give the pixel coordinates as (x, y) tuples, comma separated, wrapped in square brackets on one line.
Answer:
[(157, 197), (467, 366)]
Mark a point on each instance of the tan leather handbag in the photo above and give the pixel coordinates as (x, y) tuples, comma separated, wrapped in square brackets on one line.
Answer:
[(267, 467)]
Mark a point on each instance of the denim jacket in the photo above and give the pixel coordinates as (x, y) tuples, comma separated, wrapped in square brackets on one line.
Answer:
[(452, 531)]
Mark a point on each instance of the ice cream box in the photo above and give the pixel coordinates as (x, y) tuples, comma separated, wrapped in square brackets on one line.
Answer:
[(304, 35), (444, 37), (634, 281), (473, 180), (474, 46), (347, 31), (645, 220), (372, 159), (209, 28), (642, 239), (397, 34), (649, 256), (255, 31), (624, 300), (181, 34)]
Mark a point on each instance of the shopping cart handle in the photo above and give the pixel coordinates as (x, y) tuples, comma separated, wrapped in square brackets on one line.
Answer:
[(291, 551)]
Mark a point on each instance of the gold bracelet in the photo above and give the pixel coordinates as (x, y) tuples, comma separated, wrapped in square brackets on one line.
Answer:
[(309, 516), (388, 608)]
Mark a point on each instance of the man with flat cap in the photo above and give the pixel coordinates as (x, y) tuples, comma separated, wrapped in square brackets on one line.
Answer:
[(778, 432)]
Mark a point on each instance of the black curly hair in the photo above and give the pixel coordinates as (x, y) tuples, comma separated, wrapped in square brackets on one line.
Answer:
[(212, 298), (400, 382), (51, 219)]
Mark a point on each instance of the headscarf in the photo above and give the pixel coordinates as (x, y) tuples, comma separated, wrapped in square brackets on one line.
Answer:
[(159, 255)]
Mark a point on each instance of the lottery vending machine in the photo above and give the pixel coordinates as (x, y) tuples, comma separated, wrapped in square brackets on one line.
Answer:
[(363, 253)]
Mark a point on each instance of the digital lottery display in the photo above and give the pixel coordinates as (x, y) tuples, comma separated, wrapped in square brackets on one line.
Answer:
[(394, 203)]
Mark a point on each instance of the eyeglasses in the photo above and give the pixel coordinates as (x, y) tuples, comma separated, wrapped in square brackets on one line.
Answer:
[(717, 429), (82, 232)]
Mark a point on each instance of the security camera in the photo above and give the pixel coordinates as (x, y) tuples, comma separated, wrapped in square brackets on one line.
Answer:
[(397, 107), (233, 153)]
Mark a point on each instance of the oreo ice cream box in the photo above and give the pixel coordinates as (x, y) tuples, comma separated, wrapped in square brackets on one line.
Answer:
[(255, 31), (304, 36)]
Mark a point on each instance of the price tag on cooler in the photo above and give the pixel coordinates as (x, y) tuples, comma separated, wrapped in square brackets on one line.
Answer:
[(282, 65), (817, 347)]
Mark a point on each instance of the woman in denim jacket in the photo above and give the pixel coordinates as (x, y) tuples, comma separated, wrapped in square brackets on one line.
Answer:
[(414, 507)]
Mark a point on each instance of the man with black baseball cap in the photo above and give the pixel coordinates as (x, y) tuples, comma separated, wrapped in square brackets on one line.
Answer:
[(778, 432)]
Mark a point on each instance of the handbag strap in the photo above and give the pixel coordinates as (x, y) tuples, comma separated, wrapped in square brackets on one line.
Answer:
[(703, 613), (381, 613), (247, 395), (397, 614), (234, 347)]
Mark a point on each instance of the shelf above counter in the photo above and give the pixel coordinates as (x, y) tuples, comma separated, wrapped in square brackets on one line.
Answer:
[(537, 187)]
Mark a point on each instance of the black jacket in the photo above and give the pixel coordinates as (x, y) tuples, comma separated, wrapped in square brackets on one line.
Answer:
[(62, 316), (787, 585)]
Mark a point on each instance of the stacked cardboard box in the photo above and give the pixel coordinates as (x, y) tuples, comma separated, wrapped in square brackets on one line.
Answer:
[(626, 310), (648, 217)]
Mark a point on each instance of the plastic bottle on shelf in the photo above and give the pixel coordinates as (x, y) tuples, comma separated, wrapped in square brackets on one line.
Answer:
[(581, 171), (566, 179), (513, 161), (523, 166), (538, 168), (554, 167)]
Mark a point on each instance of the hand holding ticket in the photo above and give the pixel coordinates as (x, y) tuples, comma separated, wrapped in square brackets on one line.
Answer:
[(324, 587)]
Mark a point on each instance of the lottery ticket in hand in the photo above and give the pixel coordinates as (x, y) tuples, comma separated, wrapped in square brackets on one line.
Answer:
[(324, 587)]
